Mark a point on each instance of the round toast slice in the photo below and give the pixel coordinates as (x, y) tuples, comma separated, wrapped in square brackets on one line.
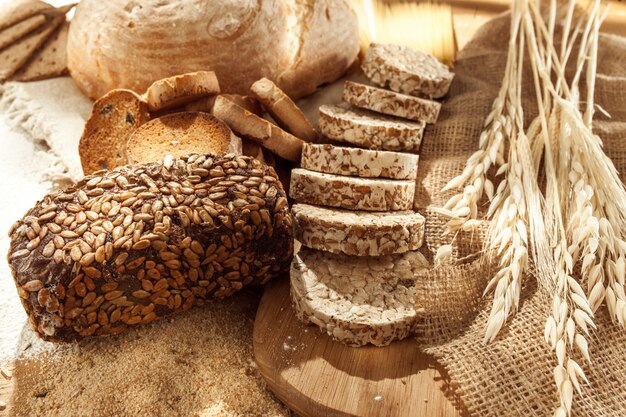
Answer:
[(178, 135), (114, 117), (177, 91), (357, 300), (357, 233)]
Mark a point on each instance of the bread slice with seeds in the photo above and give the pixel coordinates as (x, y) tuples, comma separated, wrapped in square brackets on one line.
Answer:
[(181, 134), (367, 129), (255, 128), (177, 91), (358, 162), (391, 103), (370, 194), (283, 110), (357, 300), (405, 70), (357, 233), (113, 119)]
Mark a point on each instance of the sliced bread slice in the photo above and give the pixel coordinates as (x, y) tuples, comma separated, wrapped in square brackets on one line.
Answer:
[(357, 233), (258, 129), (49, 61), (390, 102), (177, 91), (283, 110), (356, 162), (179, 135), (113, 119), (371, 130), (351, 193), (357, 300), (405, 70)]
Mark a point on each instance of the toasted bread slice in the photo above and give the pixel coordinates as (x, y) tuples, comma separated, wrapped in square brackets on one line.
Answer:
[(180, 134), (258, 129), (283, 110), (182, 89), (114, 117)]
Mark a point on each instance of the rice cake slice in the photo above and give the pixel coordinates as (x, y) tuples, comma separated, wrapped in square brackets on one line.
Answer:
[(370, 194), (405, 70), (357, 300), (367, 129), (49, 61), (391, 102), (358, 162), (357, 233), (21, 10)]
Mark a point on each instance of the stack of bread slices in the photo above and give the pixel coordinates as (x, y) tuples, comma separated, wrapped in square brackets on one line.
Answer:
[(355, 275)]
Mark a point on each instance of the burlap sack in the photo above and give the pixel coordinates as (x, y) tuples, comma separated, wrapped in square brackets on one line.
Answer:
[(513, 375)]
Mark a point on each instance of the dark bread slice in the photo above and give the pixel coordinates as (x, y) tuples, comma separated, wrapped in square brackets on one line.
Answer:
[(113, 119), (182, 89), (49, 61), (179, 135)]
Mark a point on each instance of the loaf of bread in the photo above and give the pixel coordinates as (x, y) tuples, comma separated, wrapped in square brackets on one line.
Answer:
[(357, 300), (299, 45), (125, 247)]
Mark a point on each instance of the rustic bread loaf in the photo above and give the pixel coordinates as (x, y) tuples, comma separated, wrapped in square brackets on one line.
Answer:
[(351, 193), (357, 233), (258, 129), (367, 129), (181, 134), (405, 70), (390, 102), (114, 117), (299, 44), (358, 162), (357, 300), (128, 246), (283, 110), (181, 89)]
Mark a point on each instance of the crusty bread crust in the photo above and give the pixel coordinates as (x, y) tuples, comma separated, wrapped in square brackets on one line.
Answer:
[(283, 110), (181, 89), (113, 119)]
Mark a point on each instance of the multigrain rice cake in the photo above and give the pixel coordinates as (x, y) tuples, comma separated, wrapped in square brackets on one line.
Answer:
[(357, 300), (405, 70), (367, 129), (391, 102), (125, 247), (357, 233), (358, 162), (370, 194)]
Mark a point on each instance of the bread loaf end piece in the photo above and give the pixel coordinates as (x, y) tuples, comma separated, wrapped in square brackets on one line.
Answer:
[(126, 247)]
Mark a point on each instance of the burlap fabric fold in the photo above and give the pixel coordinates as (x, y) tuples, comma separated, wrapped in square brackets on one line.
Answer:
[(513, 375)]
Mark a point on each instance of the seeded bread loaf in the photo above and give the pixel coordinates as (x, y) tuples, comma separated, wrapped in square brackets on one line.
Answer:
[(357, 162), (128, 246), (367, 129), (181, 134), (405, 70), (114, 117), (351, 193), (357, 233), (357, 300), (390, 102)]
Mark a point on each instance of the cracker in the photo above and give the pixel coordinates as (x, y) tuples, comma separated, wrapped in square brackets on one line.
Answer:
[(49, 61)]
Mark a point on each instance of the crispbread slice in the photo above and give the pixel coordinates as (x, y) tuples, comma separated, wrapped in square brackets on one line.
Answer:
[(20, 10), (258, 129), (179, 135), (371, 130), (370, 194), (356, 232), (405, 70), (358, 162), (283, 110), (15, 32), (357, 300), (181, 89), (114, 117), (49, 61), (390, 102)]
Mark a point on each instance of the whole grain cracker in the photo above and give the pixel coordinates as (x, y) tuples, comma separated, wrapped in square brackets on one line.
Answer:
[(49, 61)]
